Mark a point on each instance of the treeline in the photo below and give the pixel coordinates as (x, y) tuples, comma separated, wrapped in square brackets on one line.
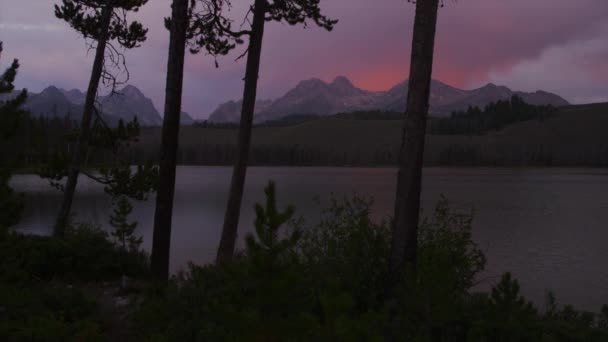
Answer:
[(370, 115), (40, 140), (494, 117), (289, 120), (472, 121), (522, 155), (439, 154)]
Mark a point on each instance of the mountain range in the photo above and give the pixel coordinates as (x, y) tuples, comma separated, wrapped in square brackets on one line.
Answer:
[(317, 97), (312, 96), (125, 104)]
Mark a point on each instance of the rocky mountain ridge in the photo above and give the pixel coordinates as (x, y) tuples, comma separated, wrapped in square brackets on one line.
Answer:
[(125, 104), (317, 97)]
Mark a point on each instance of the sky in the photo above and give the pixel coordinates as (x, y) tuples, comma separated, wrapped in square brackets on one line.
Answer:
[(554, 45)]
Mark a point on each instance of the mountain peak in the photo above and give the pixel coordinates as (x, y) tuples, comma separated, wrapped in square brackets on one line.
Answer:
[(310, 83), (131, 91), (342, 86), (495, 89), (51, 90), (130, 102), (342, 80), (74, 95), (492, 86), (54, 93)]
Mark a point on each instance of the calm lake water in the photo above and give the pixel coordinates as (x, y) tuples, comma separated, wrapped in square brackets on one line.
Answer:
[(549, 227)]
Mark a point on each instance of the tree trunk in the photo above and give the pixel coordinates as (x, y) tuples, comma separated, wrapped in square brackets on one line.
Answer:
[(161, 241), (231, 218), (81, 147), (407, 202)]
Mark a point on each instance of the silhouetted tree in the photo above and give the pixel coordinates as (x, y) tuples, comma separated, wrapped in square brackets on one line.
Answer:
[(102, 21), (201, 30), (124, 230), (407, 202), (292, 12), (11, 115), (161, 243)]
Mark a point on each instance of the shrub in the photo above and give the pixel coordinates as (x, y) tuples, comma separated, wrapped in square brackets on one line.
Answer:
[(46, 313), (36, 302), (348, 250), (260, 297), (124, 231), (84, 254), (323, 282), (328, 283)]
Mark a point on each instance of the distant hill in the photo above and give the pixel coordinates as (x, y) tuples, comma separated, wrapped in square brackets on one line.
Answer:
[(128, 103), (231, 110), (316, 97), (186, 119), (75, 96), (52, 102)]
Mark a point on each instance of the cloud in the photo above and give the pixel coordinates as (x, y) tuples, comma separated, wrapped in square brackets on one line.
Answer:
[(578, 69), (30, 27)]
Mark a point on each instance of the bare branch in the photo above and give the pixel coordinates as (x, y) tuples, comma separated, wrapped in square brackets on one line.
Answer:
[(243, 54)]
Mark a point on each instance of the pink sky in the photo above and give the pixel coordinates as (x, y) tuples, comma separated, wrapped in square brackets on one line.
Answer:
[(554, 45)]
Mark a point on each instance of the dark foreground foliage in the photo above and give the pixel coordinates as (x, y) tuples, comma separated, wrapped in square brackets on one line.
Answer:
[(292, 282), (49, 312), (328, 283), (43, 281), (85, 254)]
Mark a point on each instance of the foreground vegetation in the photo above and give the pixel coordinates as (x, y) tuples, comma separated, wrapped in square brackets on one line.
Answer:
[(292, 282), (49, 286), (329, 282)]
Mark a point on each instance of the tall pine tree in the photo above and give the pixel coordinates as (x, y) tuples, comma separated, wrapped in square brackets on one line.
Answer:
[(201, 26), (161, 242), (407, 202), (292, 12), (103, 22)]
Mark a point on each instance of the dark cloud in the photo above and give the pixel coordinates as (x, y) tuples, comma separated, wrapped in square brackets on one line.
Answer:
[(557, 45)]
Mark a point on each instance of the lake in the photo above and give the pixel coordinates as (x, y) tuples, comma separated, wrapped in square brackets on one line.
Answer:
[(549, 227)]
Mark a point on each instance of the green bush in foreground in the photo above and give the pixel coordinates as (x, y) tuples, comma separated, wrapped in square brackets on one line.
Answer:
[(46, 313), (41, 282), (85, 254), (327, 283)]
